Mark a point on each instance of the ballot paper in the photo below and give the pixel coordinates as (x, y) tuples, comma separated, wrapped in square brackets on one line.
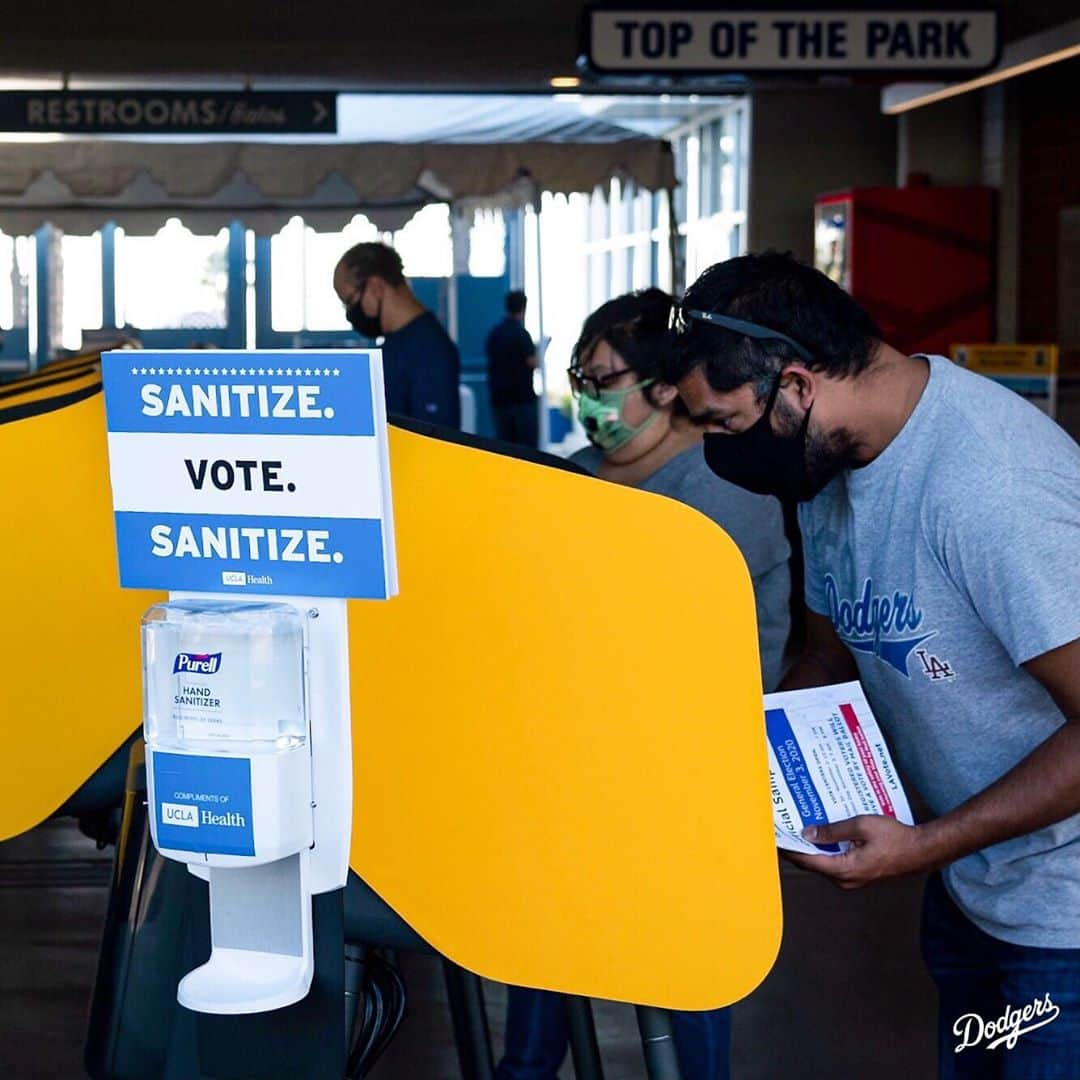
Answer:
[(827, 762)]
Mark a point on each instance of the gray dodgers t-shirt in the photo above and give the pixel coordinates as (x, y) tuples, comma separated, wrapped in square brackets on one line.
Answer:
[(945, 564), (754, 522)]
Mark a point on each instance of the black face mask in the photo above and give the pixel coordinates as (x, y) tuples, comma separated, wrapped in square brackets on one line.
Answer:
[(761, 461), (369, 326)]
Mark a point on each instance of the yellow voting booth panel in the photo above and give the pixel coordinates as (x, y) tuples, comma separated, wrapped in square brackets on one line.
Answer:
[(560, 775)]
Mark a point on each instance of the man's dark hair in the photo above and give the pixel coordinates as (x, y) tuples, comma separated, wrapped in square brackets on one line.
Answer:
[(515, 303), (635, 325), (372, 259), (777, 291)]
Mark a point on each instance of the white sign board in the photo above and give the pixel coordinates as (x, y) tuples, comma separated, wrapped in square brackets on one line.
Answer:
[(658, 40), (251, 472)]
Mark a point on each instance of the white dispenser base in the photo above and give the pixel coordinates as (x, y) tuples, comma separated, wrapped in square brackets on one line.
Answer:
[(260, 926), (234, 981)]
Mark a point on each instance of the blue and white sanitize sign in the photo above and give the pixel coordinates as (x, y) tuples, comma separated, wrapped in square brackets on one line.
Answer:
[(251, 472)]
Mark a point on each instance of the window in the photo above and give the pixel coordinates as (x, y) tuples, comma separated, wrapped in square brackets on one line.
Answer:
[(302, 264), (424, 244), (173, 279), (679, 148), (487, 244), (712, 167), (17, 254), (567, 288), (594, 248), (625, 233), (82, 287)]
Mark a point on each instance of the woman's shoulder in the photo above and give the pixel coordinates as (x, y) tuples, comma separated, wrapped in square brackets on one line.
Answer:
[(690, 480), (686, 472), (588, 457)]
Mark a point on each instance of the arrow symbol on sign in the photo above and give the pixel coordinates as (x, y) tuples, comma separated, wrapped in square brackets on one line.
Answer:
[(321, 112)]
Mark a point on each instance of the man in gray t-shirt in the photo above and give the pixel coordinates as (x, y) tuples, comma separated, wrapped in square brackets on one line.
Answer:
[(940, 516), (944, 565)]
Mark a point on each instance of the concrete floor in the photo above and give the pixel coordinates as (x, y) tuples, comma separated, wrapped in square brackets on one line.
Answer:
[(847, 998)]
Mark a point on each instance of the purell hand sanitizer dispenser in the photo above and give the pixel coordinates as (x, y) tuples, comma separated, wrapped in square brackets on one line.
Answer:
[(228, 753), (253, 487)]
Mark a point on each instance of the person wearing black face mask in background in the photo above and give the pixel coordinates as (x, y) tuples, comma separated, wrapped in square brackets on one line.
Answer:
[(421, 365), (940, 518)]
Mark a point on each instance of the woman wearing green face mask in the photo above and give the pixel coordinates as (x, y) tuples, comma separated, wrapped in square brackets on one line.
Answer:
[(641, 437), (629, 414)]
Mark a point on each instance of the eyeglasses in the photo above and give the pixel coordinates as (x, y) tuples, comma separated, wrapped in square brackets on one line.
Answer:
[(591, 385), (746, 328)]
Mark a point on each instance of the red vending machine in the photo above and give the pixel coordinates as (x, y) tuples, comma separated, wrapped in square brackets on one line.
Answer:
[(919, 259)]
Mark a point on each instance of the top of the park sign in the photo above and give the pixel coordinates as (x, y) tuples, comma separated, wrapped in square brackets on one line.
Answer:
[(700, 41)]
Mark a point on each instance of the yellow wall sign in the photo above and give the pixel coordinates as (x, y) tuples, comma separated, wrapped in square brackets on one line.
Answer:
[(1012, 359), (560, 774), (1029, 370)]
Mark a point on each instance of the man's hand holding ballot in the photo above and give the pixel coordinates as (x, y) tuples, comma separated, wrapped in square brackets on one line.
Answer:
[(836, 796)]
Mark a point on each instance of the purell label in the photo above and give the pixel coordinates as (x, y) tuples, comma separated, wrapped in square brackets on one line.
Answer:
[(197, 663), (198, 693), (211, 698)]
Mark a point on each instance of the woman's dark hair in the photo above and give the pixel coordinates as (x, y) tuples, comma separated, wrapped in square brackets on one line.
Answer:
[(635, 325), (776, 291)]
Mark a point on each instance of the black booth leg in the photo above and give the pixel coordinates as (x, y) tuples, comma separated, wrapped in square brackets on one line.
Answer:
[(583, 1045), (354, 990), (466, 995), (661, 1062)]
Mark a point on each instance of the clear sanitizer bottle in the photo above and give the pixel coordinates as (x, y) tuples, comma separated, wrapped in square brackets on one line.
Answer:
[(224, 682), (224, 677)]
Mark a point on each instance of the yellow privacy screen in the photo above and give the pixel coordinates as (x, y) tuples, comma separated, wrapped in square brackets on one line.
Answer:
[(559, 764)]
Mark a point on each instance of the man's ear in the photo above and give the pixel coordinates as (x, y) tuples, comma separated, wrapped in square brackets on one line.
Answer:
[(376, 288), (663, 394), (800, 383)]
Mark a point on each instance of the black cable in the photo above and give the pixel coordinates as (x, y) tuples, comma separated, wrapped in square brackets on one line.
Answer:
[(393, 988), (367, 1029), (382, 1010)]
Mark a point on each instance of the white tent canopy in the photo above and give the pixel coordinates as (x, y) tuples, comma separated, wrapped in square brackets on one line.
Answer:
[(394, 155)]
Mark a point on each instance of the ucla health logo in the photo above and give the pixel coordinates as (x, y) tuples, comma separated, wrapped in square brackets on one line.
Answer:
[(197, 663), (885, 625)]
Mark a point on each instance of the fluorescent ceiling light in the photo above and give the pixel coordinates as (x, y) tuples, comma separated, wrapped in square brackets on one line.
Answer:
[(31, 82), (948, 90), (1029, 54)]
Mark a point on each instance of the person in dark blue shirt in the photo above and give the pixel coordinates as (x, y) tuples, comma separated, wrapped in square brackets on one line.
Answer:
[(421, 365), (511, 358)]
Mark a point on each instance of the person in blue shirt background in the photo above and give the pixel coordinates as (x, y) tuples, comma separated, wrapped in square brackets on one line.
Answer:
[(421, 365), (511, 358)]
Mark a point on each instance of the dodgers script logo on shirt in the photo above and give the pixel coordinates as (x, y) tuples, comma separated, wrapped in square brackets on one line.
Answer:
[(885, 625)]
